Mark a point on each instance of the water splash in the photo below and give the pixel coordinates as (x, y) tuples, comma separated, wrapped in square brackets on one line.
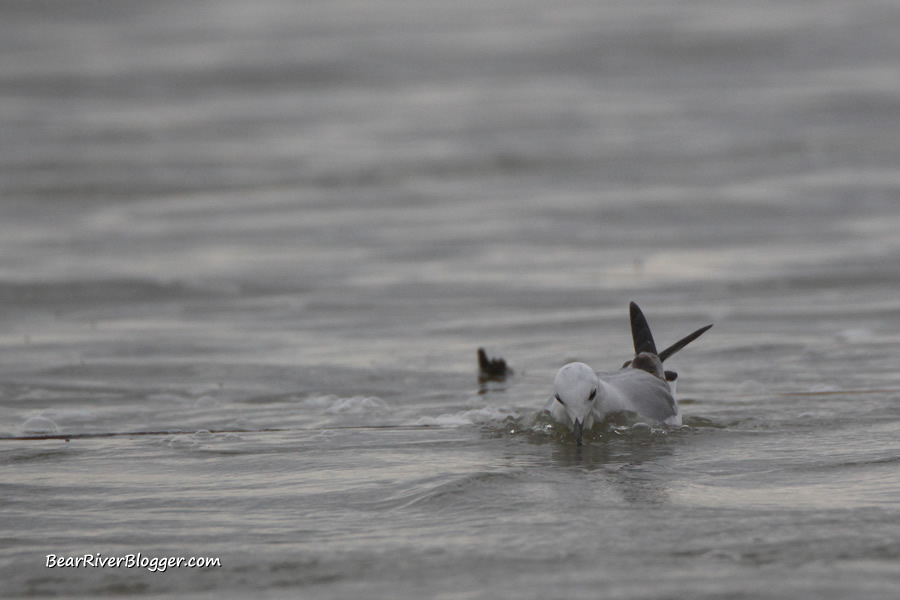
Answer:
[(40, 424)]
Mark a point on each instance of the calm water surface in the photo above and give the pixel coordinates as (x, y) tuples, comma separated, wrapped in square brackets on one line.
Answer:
[(263, 240)]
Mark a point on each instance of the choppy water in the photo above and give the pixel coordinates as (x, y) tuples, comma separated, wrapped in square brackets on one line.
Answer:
[(265, 239)]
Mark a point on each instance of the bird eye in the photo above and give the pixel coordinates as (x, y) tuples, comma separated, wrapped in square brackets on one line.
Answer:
[(558, 399), (593, 394)]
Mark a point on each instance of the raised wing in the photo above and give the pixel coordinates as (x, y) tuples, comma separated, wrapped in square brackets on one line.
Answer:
[(682, 343), (640, 332), (643, 339)]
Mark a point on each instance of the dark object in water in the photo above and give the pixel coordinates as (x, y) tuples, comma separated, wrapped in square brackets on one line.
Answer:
[(491, 368)]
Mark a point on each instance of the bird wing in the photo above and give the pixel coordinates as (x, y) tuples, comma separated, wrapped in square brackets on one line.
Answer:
[(640, 331), (643, 339), (682, 343), (640, 392)]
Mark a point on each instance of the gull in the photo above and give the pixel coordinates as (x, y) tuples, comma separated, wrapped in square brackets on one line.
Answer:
[(583, 397)]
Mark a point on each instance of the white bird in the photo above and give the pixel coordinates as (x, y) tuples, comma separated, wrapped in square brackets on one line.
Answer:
[(583, 397)]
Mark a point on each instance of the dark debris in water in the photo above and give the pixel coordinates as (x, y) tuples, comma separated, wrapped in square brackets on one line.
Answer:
[(492, 369)]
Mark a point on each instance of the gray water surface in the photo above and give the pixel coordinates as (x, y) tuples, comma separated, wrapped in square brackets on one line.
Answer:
[(248, 251)]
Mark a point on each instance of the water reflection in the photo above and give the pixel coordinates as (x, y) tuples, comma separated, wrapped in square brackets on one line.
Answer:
[(631, 465), (607, 453)]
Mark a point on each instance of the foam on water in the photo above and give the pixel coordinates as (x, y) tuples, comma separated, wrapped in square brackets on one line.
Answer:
[(39, 424), (207, 402), (353, 406), (475, 416), (855, 335)]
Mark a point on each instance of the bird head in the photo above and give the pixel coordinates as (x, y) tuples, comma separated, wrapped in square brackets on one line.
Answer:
[(576, 387)]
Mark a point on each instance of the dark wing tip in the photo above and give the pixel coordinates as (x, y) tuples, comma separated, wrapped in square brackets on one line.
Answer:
[(640, 331), (683, 342)]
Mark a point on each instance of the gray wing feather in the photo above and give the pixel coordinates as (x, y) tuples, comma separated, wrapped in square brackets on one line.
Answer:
[(643, 393)]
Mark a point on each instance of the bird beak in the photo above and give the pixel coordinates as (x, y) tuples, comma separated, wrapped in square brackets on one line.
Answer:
[(578, 429)]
